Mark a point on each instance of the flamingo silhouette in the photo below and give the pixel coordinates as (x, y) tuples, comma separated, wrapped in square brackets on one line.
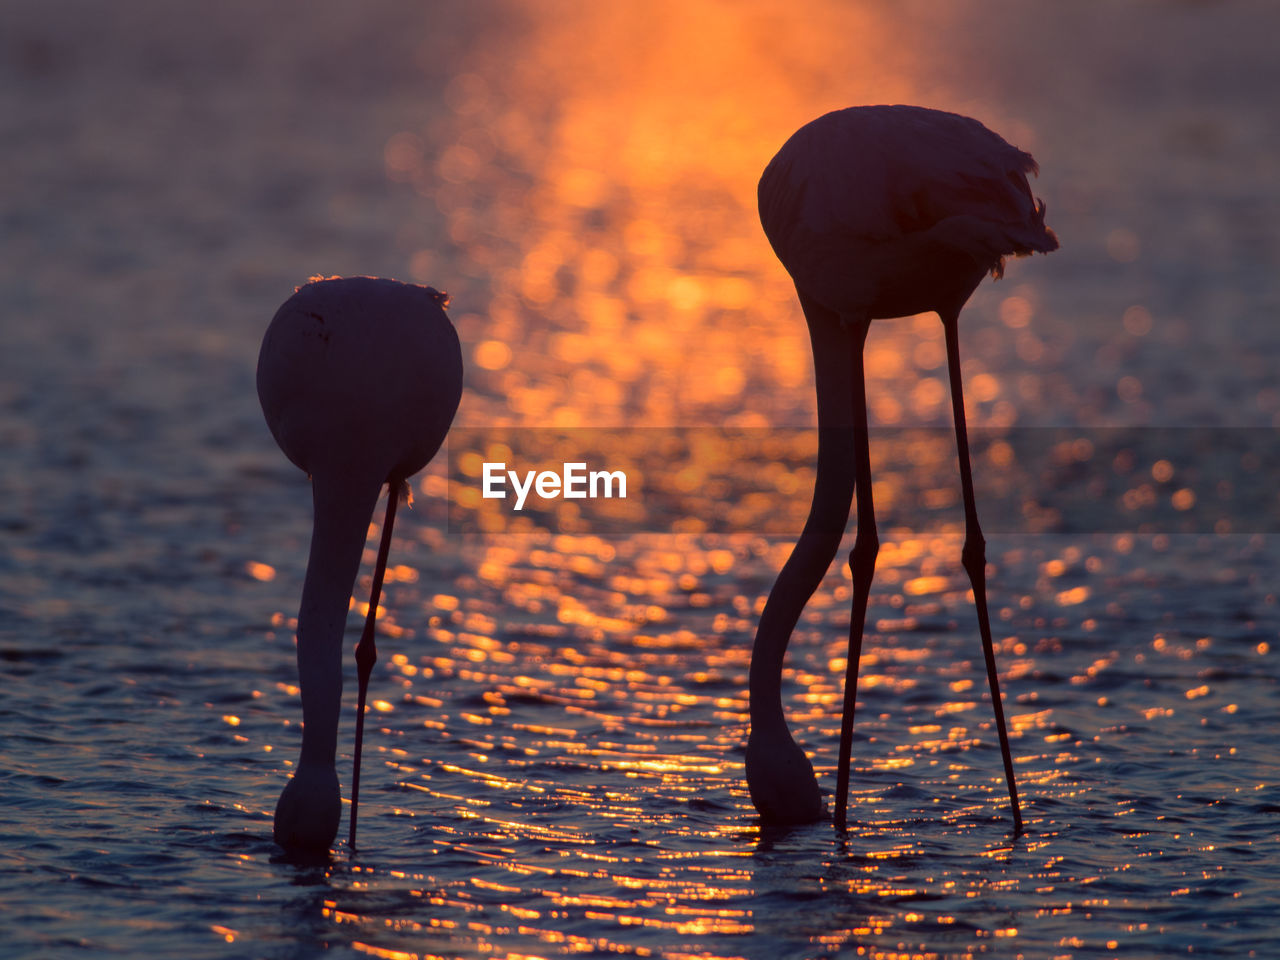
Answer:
[(876, 212), (359, 380)]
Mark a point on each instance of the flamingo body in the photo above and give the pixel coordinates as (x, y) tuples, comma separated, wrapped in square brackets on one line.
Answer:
[(848, 200), (360, 374), (876, 212), (359, 380)]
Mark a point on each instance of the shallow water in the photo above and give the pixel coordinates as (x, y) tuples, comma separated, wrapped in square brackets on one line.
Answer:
[(554, 760)]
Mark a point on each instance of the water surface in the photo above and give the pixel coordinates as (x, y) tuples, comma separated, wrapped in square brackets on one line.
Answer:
[(554, 760)]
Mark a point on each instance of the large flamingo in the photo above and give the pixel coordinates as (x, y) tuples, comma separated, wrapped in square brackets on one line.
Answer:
[(876, 212), (359, 379)]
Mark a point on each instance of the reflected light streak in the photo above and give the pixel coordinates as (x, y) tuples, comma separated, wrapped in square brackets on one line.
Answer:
[(612, 213)]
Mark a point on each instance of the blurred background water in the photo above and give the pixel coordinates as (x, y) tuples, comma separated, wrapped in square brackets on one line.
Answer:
[(554, 762)]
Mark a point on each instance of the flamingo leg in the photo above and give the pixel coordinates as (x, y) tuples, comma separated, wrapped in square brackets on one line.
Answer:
[(862, 563), (974, 554), (367, 651)]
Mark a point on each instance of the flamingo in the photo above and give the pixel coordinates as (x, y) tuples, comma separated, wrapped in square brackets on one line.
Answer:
[(359, 379), (876, 212)]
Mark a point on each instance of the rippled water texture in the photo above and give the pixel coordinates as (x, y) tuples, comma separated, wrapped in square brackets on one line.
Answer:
[(554, 759)]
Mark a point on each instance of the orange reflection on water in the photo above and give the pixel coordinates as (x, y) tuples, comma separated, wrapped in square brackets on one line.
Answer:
[(601, 185)]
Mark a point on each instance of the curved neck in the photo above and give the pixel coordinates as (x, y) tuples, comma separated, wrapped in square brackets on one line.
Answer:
[(343, 507), (764, 684)]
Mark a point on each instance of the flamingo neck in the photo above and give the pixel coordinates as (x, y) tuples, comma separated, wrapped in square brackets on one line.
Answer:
[(764, 680), (343, 507)]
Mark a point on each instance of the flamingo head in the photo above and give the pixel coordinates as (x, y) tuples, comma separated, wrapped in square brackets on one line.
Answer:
[(309, 809), (780, 778)]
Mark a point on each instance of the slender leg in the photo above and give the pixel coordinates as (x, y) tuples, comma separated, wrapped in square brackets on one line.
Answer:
[(974, 553), (862, 564), (367, 651), (779, 775)]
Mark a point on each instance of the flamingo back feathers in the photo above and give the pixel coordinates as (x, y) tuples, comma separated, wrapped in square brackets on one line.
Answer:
[(867, 175)]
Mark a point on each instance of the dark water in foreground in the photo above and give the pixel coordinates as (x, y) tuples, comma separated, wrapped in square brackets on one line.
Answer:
[(554, 755), (556, 766)]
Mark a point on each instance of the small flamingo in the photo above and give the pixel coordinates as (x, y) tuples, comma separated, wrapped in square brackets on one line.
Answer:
[(876, 212), (359, 379)]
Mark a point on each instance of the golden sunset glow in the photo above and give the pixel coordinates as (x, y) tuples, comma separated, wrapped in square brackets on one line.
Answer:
[(554, 745), (611, 210)]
